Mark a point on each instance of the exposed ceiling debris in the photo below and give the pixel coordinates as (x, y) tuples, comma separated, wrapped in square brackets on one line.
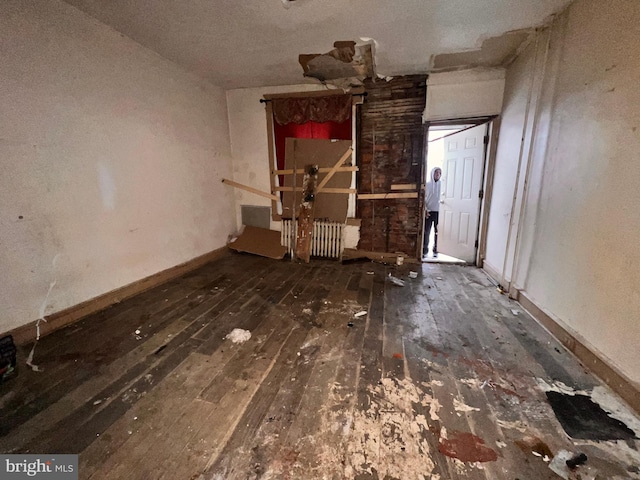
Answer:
[(494, 52), (348, 64)]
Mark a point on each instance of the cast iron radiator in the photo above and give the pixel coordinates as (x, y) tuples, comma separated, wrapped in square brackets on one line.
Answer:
[(326, 241)]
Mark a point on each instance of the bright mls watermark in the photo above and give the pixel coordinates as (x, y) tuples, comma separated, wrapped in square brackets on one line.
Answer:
[(51, 467)]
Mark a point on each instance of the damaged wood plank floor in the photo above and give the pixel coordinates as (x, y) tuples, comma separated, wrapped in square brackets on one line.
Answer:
[(442, 378)]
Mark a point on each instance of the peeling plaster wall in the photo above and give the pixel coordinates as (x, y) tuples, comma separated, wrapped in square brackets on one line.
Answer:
[(111, 161), (578, 257), (249, 143)]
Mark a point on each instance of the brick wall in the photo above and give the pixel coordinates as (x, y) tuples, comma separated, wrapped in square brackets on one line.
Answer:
[(390, 147)]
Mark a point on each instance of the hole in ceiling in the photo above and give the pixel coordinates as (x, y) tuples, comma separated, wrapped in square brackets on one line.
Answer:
[(348, 64)]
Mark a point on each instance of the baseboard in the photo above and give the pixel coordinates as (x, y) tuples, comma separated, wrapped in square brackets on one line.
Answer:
[(27, 333), (493, 273), (618, 382)]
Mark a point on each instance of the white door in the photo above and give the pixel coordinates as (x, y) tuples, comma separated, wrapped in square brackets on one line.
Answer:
[(460, 202)]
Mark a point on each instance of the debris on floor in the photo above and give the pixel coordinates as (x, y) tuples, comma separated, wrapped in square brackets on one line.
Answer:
[(440, 398), (413, 274), (582, 418), (463, 407), (396, 281), (534, 445), (591, 414), (576, 460), (565, 466), (238, 335)]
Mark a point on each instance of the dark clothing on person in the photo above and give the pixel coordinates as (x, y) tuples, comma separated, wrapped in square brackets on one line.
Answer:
[(432, 219), (432, 207)]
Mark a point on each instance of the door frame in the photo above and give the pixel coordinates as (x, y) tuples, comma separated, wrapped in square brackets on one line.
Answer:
[(488, 166)]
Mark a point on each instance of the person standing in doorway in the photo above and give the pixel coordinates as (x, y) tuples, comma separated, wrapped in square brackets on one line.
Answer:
[(431, 210)]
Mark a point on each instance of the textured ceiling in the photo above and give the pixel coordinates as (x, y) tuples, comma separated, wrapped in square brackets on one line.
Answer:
[(250, 43)]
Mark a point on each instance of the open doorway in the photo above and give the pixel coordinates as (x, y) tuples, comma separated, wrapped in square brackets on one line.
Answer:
[(459, 151)]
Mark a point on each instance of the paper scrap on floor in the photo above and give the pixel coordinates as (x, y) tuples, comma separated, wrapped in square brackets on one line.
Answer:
[(238, 335)]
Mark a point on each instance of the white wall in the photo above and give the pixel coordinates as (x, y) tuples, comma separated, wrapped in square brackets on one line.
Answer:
[(464, 94), (578, 256), (521, 94), (111, 159), (249, 142)]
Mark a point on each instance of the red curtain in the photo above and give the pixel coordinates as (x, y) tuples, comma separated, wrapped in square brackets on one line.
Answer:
[(327, 130), (327, 117)]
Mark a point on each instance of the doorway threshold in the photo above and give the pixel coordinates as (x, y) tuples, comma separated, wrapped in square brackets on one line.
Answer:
[(442, 258)]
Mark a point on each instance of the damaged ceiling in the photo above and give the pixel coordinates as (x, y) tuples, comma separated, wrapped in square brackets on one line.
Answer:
[(258, 42), (494, 52), (348, 64)]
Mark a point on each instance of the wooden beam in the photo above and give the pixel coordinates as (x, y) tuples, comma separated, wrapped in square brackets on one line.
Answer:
[(305, 218), (319, 93), (382, 196), (273, 163), (250, 189), (325, 190), (320, 170), (339, 190), (403, 186), (333, 170)]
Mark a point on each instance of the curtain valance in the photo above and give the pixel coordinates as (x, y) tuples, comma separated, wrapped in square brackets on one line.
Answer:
[(299, 110)]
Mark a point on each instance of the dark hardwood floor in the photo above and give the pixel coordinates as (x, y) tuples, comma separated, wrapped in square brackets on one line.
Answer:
[(443, 378)]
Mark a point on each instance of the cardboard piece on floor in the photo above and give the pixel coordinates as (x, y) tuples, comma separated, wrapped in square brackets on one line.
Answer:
[(259, 241), (324, 153)]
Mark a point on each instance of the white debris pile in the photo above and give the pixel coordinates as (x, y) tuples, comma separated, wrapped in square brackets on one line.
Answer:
[(238, 335)]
